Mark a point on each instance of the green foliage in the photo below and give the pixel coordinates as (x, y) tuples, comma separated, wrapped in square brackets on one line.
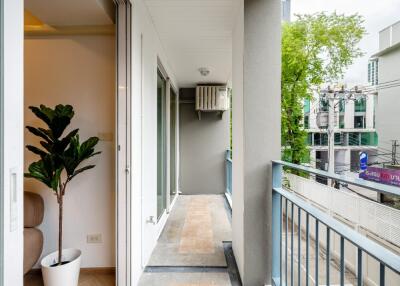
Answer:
[(58, 153), (316, 49)]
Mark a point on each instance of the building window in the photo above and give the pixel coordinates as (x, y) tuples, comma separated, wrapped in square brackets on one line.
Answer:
[(359, 121), (341, 121), (307, 106), (373, 72), (309, 139), (320, 139), (342, 105), (354, 139), (306, 121), (369, 139), (360, 105), (323, 104), (338, 139)]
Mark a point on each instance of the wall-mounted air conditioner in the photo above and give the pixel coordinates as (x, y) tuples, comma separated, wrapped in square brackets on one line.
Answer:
[(212, 99)]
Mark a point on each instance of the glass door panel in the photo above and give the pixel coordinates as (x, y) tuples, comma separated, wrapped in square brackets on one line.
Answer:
[(173, 115), (161, 145)]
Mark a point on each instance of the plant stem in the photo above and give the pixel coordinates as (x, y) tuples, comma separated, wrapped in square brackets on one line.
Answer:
[(60, 224)]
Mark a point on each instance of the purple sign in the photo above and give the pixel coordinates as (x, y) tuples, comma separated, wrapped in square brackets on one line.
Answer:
[(381, 175)]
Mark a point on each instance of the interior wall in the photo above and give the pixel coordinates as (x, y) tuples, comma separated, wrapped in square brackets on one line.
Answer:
[(146, 49), (203, 146), (77, 70)]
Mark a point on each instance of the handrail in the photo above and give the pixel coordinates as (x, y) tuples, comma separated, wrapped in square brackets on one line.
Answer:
[(373, 186), (390, 259), (281, 197)]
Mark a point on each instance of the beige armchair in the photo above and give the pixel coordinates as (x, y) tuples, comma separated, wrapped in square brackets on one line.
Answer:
[(33, 237)]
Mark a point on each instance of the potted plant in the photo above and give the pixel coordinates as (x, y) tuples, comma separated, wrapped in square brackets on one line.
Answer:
[(60, 161)]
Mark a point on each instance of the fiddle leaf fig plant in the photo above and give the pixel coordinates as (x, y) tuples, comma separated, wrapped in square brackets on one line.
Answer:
[(61, 157)]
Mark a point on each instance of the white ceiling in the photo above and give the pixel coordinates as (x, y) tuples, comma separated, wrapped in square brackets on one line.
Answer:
[(72, 12), (194, 34)]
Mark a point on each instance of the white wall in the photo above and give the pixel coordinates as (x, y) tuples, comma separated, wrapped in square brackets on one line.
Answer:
[(13, 140), (146, 47), (238, 139), (387, 113), (77, 70)]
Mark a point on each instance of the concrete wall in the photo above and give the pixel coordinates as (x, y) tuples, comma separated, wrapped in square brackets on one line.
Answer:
[(77, 70), (256, 134), (203, 144), (387, 113), (11, 165)]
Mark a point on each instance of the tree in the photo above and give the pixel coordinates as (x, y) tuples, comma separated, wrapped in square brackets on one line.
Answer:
[(60, 156), (316, 49)]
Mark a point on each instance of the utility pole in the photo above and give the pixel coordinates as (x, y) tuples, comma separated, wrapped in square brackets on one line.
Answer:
[(394, 152), (331, 134)]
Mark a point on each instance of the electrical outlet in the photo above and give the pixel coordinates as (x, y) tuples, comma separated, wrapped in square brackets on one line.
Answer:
[(94, 238)]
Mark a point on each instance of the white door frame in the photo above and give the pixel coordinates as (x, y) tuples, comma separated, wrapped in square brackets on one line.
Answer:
[(12, 142), (1, 139), (123, 142)]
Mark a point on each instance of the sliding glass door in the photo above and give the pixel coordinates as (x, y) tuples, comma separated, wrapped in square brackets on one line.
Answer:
[(161, 145), (173, 143), (1, 137)]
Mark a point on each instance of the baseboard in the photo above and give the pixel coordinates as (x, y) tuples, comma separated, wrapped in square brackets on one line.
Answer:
[(86, 270), (98, 270)]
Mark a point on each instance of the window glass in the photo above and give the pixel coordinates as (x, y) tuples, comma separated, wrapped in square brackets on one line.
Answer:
[(354, 139), (161, 145), (306, 106), (341, 121), (173, 150), (359, 121), (360, 105), (306, 121)]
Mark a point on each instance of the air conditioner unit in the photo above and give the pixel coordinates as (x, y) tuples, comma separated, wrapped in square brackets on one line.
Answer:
[(212, 98)]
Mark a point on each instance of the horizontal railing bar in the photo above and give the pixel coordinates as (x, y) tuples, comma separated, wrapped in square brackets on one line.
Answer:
[(377, 251), (381, 188)]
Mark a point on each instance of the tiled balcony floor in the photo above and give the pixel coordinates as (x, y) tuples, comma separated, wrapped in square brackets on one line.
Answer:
[(190, 251)]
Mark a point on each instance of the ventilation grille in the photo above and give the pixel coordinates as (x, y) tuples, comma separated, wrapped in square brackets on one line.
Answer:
[(212, 98)]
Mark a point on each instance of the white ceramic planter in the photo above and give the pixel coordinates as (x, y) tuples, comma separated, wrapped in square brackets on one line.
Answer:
[(63, 275)]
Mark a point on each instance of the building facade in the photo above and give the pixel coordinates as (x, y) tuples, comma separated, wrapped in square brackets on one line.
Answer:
[(388, 88), (286, 10), (354, 130)]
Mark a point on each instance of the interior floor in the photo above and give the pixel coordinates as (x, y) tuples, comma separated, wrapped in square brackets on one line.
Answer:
[(34, 278), (193, 248)]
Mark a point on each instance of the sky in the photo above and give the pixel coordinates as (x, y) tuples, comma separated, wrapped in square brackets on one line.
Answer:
[(378, 14)]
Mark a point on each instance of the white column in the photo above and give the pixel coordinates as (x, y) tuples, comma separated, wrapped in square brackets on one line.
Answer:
[(256, 134), (12, 141), (369, 114), (349, 115)]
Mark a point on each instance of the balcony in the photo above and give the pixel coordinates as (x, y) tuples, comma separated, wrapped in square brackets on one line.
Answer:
[(334, 253)]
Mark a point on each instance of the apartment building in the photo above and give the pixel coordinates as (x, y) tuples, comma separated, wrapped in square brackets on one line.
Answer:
[(385, 66), (354, 129)]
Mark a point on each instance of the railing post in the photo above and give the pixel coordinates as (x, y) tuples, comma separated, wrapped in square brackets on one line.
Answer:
[(276, 225), (228, 172)]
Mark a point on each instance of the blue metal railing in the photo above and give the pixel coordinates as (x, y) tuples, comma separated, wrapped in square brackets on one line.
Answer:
[(280, 258), (228, 172)]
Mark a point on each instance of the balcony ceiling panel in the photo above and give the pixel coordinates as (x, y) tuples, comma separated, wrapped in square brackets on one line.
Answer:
[(72, 12), (195, 34)]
